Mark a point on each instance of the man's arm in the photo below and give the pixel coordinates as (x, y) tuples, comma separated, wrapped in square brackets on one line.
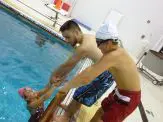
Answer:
[(47, 115), (37, 103), (41, 99), (44, 90), (65, 68), (59, 75), (89, 74), (47, 87)]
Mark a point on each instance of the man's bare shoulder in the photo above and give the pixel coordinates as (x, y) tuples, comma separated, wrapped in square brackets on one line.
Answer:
[(121, 56), (88, 42), (89, 36), (118, 52), (80, 48), (114, 55)]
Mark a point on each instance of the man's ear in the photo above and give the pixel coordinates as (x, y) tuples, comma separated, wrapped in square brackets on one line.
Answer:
[(108, 44), (76, 32)]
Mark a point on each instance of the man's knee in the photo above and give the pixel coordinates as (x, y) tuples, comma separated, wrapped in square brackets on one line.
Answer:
[(98, 115), (73, 107), (75, 103)]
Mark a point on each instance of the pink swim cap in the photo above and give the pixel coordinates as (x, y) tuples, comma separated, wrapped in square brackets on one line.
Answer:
[(21, 91)]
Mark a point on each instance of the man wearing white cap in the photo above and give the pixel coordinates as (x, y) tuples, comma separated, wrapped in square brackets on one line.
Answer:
[(126, 97)]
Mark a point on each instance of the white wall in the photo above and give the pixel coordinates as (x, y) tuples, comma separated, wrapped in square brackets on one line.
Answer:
[(134, 23)]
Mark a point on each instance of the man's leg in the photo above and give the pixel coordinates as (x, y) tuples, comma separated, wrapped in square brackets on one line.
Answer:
[(98, 115), (70, 110)]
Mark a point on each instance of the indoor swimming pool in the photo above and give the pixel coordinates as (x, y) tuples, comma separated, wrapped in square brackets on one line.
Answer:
[(28, 55)]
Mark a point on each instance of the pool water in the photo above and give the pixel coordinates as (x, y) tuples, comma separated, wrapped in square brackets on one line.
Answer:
[(24, 61)]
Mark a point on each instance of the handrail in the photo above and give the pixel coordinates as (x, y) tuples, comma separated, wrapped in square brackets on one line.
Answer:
[(37, 11)]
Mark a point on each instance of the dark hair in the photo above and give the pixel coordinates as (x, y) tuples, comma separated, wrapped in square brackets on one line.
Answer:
[(114, 42), (70, 24)]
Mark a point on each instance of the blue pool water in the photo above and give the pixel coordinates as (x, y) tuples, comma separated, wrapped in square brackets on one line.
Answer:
[(24, 63)]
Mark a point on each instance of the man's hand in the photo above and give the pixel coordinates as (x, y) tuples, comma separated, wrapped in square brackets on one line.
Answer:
[(52, 106), (56, 80), (37, 93), (61, 95)]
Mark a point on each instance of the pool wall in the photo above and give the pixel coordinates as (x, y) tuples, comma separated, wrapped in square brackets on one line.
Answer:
[(31, 22)]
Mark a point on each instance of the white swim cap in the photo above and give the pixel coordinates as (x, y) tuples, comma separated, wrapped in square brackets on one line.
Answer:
[(107, 31)]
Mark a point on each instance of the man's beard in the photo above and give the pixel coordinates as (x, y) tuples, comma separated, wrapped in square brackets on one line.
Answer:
[(74, 43)]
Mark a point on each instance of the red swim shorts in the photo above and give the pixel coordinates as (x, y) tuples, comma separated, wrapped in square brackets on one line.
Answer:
[(117, 106)]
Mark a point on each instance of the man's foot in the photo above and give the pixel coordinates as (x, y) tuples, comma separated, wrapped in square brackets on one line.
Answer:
[(61, 119)]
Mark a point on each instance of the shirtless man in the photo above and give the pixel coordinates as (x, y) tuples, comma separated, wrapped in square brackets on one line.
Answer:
[(85, 47), (126, 97)]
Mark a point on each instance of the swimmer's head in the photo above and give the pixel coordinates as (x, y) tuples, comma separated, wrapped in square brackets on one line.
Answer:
[(27, 93), (106, 36), (71, 32)]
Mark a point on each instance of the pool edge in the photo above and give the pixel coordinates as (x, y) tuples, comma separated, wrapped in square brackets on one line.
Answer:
[(30, 19)]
